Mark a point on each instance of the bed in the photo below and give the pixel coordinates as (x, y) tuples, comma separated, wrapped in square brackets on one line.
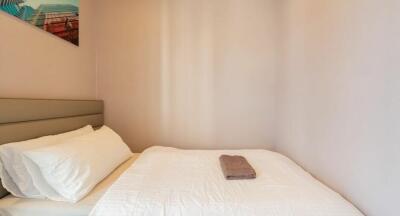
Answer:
[(169, 181), (164, 180)]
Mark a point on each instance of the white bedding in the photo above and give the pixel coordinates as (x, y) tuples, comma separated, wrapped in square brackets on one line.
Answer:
[(13, 206), (173, 182)]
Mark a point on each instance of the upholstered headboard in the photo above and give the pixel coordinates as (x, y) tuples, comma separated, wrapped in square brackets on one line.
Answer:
[(23, 119)]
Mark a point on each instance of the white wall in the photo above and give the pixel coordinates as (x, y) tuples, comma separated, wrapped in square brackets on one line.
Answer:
[(189, 73), (37, 64), (339, 97)]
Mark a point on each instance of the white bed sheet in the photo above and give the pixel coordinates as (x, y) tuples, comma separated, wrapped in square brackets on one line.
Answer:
[(12, 206), (172, 182)]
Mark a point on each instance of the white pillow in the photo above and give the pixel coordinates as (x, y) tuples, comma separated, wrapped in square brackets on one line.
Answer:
[(13, 173), (74, 167)]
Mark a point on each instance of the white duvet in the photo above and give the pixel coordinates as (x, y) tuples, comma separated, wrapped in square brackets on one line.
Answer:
[(167, 181)]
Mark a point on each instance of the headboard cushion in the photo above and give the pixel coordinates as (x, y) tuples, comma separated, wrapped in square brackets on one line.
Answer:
[(23, 119)]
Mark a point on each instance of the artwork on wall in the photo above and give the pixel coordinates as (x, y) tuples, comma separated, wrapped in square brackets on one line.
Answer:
[(59, 17)]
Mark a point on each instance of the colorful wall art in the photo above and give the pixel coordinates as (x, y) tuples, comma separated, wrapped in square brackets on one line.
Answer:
[(59, 17)]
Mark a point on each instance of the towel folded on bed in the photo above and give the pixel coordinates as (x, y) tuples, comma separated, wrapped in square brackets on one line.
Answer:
[(236, 167)]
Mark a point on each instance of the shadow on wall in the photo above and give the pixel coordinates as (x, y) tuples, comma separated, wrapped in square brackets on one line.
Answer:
[(339, 97), (191, 74)]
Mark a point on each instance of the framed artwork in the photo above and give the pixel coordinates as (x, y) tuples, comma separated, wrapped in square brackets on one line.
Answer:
[(59, 17)]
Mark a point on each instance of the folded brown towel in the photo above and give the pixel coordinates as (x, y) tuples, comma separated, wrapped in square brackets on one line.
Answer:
[(236, 168)]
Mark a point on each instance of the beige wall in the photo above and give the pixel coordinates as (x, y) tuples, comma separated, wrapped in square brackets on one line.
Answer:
[(36, 64), (339, 97), (189, 73)]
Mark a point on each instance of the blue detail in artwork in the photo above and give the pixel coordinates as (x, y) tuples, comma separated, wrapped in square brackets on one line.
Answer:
[(12, 9)]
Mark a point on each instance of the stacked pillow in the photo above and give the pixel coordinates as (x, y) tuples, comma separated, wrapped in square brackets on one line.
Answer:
[(62, 167), (14, 175)]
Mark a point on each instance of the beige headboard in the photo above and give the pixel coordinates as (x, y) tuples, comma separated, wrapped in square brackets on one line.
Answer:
[(23, 119)]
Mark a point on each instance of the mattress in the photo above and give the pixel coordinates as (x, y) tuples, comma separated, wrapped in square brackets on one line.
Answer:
[(13, 206), (173, 182)]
